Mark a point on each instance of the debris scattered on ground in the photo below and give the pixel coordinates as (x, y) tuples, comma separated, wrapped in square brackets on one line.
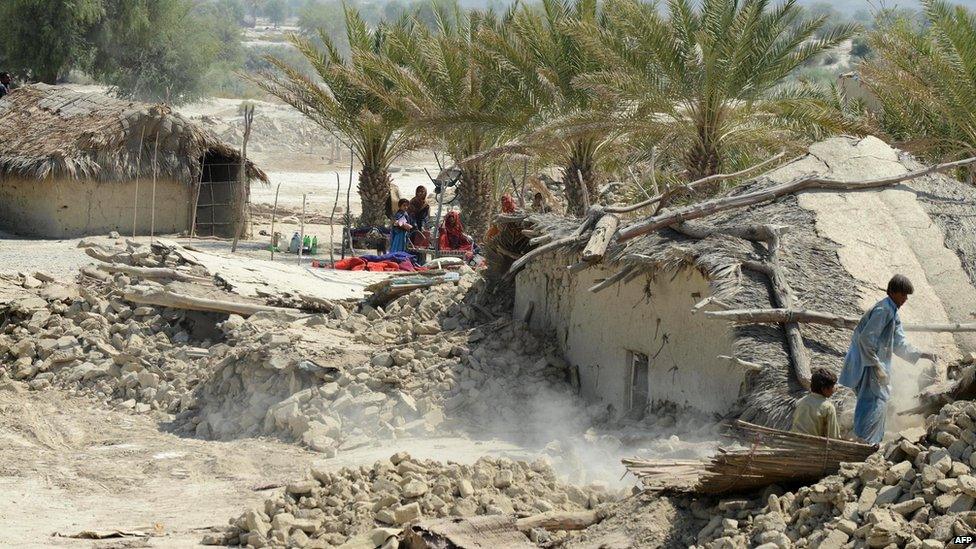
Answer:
[(916, 491), (375, 502)]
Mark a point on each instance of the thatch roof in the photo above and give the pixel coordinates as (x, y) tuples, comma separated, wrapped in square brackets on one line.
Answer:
[(813, 270), (52, 131)]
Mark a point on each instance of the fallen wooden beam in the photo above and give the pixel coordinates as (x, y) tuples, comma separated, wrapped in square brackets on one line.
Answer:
[(600, 238), (560, 521), (152, 273), (102, 255), (803, 183), (779, 316), (166, 298), (735, 361), (690, 186), (783, 297), (783, 315)]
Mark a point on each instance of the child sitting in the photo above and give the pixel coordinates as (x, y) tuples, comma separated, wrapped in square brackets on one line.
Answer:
[(815, 415)]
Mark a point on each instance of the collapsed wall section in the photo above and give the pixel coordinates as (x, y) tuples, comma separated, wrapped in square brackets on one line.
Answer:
[(636, 344)]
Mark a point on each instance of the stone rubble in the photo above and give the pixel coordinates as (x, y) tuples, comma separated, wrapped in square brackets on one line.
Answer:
[(373, 503), (425, 363), (911, 493), (85, 339)]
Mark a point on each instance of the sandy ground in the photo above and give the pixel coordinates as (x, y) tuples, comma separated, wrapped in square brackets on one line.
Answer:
[(68, 465)]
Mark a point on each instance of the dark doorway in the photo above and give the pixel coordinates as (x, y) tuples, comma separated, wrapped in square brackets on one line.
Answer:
[(639, 384), (219, 199)]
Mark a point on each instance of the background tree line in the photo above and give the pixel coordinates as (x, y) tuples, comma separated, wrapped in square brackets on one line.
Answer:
[(658, 94)]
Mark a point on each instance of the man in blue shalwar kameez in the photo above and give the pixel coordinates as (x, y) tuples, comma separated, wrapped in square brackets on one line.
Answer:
[(867, 366)]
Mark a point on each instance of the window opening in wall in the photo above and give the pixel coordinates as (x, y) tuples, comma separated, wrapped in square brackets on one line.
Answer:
[(638, 384)]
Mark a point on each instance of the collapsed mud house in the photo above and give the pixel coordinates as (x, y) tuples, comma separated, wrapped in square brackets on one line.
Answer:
[(74, 164), (644, 327)]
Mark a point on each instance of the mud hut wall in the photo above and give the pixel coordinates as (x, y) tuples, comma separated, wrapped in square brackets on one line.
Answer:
[(600, 332), (68, 208)]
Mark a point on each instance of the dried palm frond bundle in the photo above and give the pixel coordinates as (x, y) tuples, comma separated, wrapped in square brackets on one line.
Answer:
[(765, 456)]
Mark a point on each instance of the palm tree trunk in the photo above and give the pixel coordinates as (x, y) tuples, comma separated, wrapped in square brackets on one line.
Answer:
[(580, 163), (374, 192), (704, 159), (477, 197)]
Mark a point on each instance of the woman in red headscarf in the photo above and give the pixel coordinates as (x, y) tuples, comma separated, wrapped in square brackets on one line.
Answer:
[(508, 206), (451, 234)]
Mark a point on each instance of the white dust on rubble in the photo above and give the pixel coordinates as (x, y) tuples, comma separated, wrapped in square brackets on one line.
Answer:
[(908, 494), (372, 503)]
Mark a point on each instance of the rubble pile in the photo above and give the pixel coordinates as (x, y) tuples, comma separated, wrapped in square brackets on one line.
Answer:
[(85, 339), (331, 507), (404, 377), (911, 493)]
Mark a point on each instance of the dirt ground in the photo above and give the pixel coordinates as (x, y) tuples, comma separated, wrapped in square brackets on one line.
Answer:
[(68, 465)]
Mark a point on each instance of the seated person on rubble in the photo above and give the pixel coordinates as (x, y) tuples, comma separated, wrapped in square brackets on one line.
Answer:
[(815, 415), (451, 234)]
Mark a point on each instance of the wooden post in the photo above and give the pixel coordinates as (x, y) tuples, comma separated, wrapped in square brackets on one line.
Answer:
[(152, 213), (242, 178), (196, 204), (437, 220), (274, 215), (135, 203), (301, 229), (332, 221)]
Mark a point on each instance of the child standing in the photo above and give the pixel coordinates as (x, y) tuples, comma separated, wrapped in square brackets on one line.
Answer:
[(815, 415), (402, 226)]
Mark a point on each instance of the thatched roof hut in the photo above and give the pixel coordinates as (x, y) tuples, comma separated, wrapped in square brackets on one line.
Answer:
[(837, 252), (64, 145)]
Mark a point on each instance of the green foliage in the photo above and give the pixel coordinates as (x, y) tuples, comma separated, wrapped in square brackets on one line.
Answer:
[(860, 47), (276, 11), (707, 85), (340, 98), (43, 39), (162, 50), (924, 76)]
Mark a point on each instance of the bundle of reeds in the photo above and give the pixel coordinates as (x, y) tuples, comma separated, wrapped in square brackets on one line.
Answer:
[(764, 456)]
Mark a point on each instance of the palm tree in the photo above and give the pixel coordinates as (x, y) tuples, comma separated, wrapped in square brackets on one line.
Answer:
[(540, 60), (707, 85), (453, 99), (342, 102), (925, 81)]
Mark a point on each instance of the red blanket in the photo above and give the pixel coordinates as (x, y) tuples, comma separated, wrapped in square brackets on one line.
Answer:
[(360, 264)]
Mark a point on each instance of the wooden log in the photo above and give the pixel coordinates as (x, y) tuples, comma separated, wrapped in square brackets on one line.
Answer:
[(784, 299), (152, 273), (735, 361), (102, 255), (600, 238), (753, 233), (803, 183), (521, 262), (611, 280), (166, 298), (710, 300), (692, 185), (781, 316), (560, 520)]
